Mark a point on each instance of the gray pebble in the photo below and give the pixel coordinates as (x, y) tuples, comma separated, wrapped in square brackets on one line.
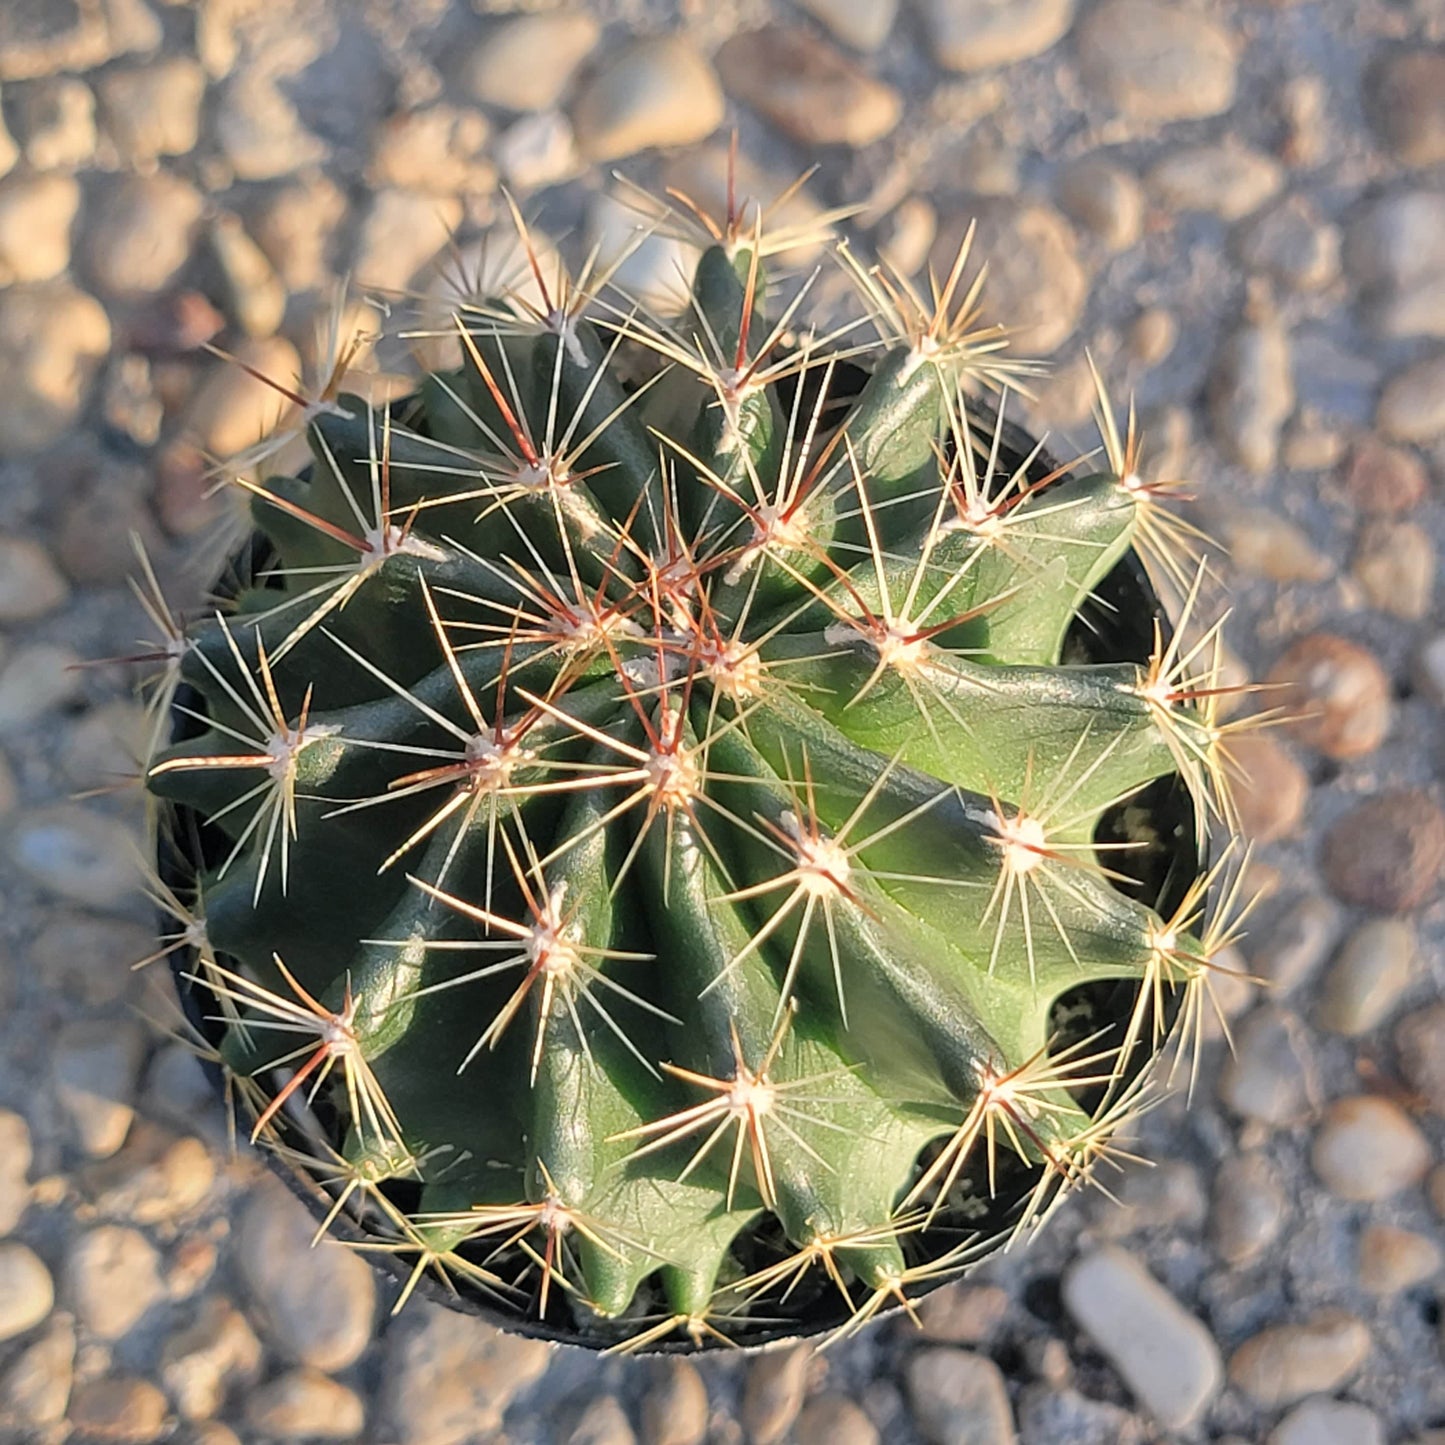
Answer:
[(1328, 1422), (527, 62), (295, 225), (1105, 199), (77, 853), (255, 296), (1367, 977), (1367, 1148), (35, 1386), (112, 1277), (1395, 252), (1248, 1208), (305, 1405), (315, 1304), (1251, 392), (674, 1409), (1049, 1416), (1296, 947), (30, 583), (1405, 101), (1394, 563), (1164, 1354), (1412, 405), (537, 150), (1420, 1048), (1290, 244), (1167, 1196), (1285, 1363), (27, 1292), (403, 231), (1387, 853), (207, 1358), (773, 1393), (973, 35), (964, 1314), (958, 1398), (1268, 1077), (1264, 544), (1228, 180), (834, 1420), (260, 132), (52, 339), (95, 1064)]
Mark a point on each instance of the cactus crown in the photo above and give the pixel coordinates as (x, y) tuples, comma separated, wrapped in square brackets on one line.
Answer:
[(652, 809)]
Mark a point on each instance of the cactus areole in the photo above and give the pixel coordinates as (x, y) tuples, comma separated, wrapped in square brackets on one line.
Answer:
[(691, 837)]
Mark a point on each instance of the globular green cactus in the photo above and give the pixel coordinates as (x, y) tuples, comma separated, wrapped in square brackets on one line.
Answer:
[(651, 808)]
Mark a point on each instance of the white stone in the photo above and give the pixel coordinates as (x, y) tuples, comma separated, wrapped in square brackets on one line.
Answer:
[(863, 24), (77, 853), (958, 1398), (35, 679), (527, 62), (260, 132), (1368, 1148), (153, 110), (112, 1277), (1285, 1363), (36, 216), (1328, 1422), (52, 339), (537, 150), (1164, 1354), (653, 268), (30, 583), (973, 35), (1366, 979), (1412, 405), (94, 1067), (58, 123), (402, 233), (1228, 180), (14, 1169), (26, 1290)]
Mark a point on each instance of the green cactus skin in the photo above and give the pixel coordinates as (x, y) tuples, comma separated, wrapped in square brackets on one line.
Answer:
[(651, 824)]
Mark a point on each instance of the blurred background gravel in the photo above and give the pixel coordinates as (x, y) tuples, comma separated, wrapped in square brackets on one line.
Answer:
[(1237, 208)]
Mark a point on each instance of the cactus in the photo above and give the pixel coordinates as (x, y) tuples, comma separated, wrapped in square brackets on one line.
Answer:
[(649, 809)]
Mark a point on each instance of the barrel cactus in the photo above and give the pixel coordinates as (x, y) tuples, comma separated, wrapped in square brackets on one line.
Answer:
[(655, 840)]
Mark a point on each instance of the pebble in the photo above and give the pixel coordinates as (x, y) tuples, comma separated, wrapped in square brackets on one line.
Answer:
[(314, 1304), (958, 1398), (30, 583), (1167, 1196), (1312, 443), (201, 1363), (1394, 564), (52, 340), (255, 297), (305, 1405), (1367, 1149), (1290, 244), (971, 35), (35, 1387), (36, 216), (807, 88), (27, 1292), (1412, 405), (863, 24), (141, 236), (1430, 669), (964, 1314), (75, 852), (1152, 335), (40, 40), (442, 149), (1337, 694), (656, 92), (1420, 1048), (260, 132), (1248, 1208), (773, 1393), (94, 1067), (1252, 393), (86, 959), (537, 150), (1052, 1416), (674, 1409), (120, 1410), (9, 150), (603, 1422), (1393, 1259), (527, 62), (57, 123), (831, 1419), (112, 1277), (1265, 544), (1328, 1422), (1387, 853), (150, 111), (447, 1378), (1395, 253), (157, 1177), (1158, 62), (295, 226), (1368, 975), (1296, 947), (1268, 1076), (1035, 283), (1285, 1363), (1405, 103), (15, 1156), (403, 231), (1228, 180), (654, 269), (231, 409), (34, 680), (1105, 199), (1435, 1189), (1275, 789), (1385, 481), (177, 1089)]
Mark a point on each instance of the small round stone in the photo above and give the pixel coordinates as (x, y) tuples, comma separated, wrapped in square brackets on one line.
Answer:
[(153, 110), (403, 232), (1248, 1208), (57, 122), (773, 1393), (1158, 62), (213, 1354), (1393, 1259), (26, 1289), (305, 1405), (527, 62), (834, 1420), (15, 1156), (33, 681), (807, 88), (1420, 1048), (674, 1409), (1395, 253), (260, 132), (958, 1398), (156, 1178), (863, 24), (1265, 544), (656, 92), (231, 409), (1388, 853), (1405, 102), (1275, 789), (1336, 693), (1296, 947), (35, 1387), (971, 35), (964, 1314), (1394, 564), (30, 583), (52, 339), (36, 217), (1384, 480), (1412, 405), (1165, 1355), (1370, 972), (112, 1277), (1229, 180), (296, 226), (1267, 1078), (603, 1422), (119, 1410), (1285, 1363), (77, 853), (1367, 1148), (1328, 1422), (141, 236), (1290, 244), (255, 296), (1252, 393), (1105, 199), (95, 1064)]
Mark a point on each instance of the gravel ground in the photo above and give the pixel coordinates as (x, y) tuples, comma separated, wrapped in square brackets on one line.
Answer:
[(1237, 208)]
